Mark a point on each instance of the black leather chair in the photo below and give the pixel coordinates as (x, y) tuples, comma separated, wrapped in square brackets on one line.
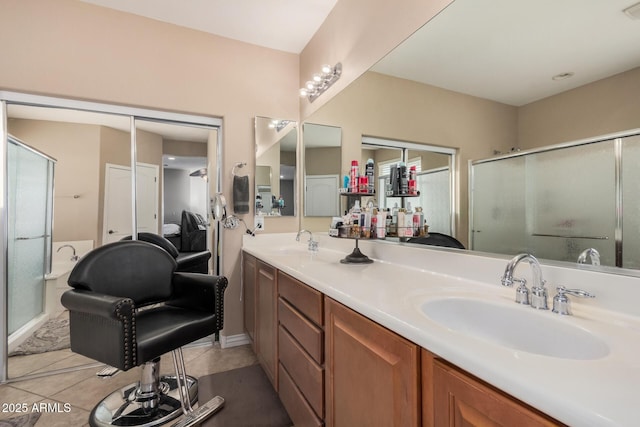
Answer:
[(128, 307), (437, 239), (193, 262)]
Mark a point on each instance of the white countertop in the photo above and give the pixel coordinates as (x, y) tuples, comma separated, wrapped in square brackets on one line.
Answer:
[(391, 291)]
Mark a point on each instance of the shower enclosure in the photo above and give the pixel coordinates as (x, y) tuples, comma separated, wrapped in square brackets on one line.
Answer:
[(29, 214), (559, 201)]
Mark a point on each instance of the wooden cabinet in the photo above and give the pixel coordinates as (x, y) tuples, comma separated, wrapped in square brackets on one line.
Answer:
[(334, 367), (452, 397), (249, 295), (372, 374), (301, 351), (266, 337)]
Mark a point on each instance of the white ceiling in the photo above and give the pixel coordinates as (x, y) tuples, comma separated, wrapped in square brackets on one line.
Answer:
[(286, 25), (509, 50)]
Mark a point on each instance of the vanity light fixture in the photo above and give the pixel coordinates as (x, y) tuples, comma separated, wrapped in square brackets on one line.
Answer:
[(321, 82)]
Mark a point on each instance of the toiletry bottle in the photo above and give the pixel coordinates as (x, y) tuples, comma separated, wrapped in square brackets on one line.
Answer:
[(402, 225), (408, 222), (374, 224), (395, 180), (413, 172), (346, 183), (418, 219), (381, 233), (393, 230), (369, 172), (353, 176), (356, 220), (404, 178), (366, 225), (388, 221)]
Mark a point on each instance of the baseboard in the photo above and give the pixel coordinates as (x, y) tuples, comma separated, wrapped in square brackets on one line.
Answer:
[(234, 340)]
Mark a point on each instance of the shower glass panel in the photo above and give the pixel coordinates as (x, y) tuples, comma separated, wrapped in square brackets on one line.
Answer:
[(30, 182), (631, 202), (571, 202), (498, 206)]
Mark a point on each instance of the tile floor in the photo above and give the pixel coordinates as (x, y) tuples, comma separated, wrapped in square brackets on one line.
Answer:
[(81, 390)]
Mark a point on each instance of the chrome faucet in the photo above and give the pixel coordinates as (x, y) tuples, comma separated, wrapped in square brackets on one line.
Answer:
[(538, 298), (74, 257), (591, 253), (313, 245)]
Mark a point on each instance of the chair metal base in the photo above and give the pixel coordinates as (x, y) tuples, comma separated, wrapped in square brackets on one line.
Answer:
[(129, 407)]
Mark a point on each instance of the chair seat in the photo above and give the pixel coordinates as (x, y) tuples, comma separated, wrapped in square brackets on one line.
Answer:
[(163, 328)]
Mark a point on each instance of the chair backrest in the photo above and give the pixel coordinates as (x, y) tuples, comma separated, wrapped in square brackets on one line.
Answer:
[(438, 239), (157, 240), (130, 269)]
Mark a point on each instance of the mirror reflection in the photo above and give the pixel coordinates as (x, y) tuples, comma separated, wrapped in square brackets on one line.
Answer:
[(322, 169), (489, 84), (91, 205), (276, 164)]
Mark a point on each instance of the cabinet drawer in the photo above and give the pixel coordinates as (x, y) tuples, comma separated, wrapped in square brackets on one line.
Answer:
[(305, 373), (306, 333), (297, 407), (304, 298)]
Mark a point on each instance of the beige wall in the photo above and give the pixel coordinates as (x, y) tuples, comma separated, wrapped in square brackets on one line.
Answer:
[(358, 33), (322, 161), (387, 107), (77, 151), (606, 106), (77, 50)]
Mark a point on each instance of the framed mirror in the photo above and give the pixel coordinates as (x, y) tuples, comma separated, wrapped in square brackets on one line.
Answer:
[(276, 143), (90, 203)]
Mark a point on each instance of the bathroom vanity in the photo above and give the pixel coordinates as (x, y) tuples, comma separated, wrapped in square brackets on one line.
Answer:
[(325, 331)]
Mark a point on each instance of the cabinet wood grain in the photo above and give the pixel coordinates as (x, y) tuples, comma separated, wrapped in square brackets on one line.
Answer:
[(372, 374), (267, 321), (249, 295)]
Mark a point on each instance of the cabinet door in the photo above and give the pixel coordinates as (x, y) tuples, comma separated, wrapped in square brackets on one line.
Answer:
[(372, 374), (249, 296), (266, 320), (461, 400)]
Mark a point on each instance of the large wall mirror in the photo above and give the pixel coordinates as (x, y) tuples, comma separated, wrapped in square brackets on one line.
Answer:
[(71, 189), (276, 166), (489, 84)]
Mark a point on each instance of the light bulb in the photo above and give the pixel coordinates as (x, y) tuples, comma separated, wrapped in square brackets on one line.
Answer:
[(327, 69), (317, 78), (303, 92), (310, 85)]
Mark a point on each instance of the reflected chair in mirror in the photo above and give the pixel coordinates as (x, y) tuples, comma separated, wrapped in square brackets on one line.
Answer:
[(192, 262), (437, 239), (129, 306)]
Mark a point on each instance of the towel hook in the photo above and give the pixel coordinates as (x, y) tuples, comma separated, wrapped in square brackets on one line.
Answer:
[(237, 165)]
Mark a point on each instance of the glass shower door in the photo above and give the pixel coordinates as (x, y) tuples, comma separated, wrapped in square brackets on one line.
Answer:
[(30, 187)]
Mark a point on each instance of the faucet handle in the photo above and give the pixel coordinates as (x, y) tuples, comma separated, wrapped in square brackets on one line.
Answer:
[(539, 296), (561, 303)]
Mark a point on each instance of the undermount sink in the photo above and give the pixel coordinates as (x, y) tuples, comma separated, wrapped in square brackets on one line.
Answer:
[(518, 328)]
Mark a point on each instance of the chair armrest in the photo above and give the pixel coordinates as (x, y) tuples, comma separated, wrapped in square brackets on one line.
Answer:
[(94, 303), (200, 292), (102, 327)]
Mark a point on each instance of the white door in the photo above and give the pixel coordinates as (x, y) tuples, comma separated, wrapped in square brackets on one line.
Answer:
[(321, 195), (117, 201), (147, 197)]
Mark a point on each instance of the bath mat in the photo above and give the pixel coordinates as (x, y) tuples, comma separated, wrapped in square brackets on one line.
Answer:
[(28, 420), (250, 400), (51, 336)]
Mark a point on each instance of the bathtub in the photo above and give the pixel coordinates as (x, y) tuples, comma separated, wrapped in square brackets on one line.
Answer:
[(55, 285), (61, 266)]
